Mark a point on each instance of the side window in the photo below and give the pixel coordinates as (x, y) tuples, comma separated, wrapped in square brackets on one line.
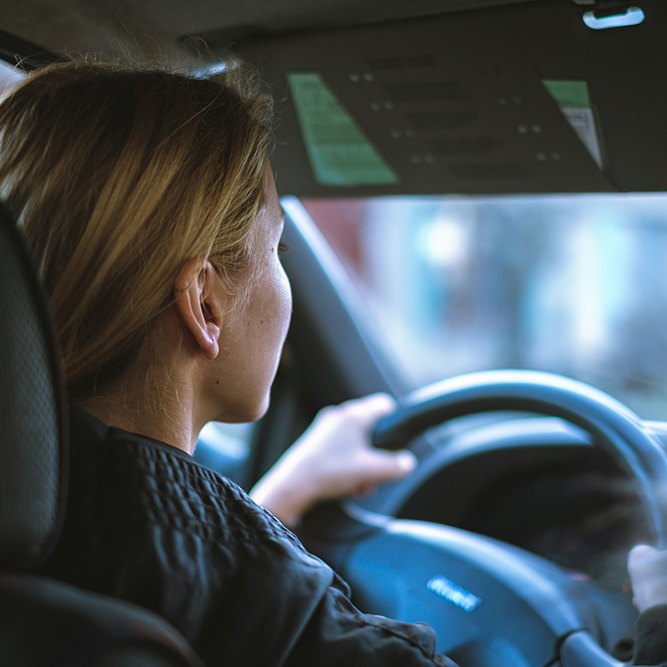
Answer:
[(9, 76)]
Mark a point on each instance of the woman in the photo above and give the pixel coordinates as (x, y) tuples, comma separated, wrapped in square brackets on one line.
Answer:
[(149, 204), (127, 230)]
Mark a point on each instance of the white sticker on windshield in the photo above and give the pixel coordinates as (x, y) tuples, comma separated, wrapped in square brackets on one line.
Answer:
[(574, 102)]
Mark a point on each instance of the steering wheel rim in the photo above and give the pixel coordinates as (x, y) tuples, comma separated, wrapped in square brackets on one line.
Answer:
[(616, 428)]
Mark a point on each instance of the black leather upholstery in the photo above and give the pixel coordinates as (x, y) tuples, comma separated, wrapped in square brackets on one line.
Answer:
[(44, 622), (32, 431)]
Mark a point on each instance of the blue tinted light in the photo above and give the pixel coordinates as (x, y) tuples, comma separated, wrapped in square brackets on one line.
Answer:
[(633, 16), (453, 593)]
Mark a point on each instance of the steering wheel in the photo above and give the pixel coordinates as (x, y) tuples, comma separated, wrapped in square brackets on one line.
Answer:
[(490, 603)]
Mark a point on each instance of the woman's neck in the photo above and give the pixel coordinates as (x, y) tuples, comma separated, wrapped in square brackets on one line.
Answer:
[(166, 415)]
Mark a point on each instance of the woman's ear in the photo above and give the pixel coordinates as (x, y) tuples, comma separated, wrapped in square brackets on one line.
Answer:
[(199, 303)]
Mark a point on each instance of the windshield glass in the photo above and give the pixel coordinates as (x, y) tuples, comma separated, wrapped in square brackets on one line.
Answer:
[(567, 284)]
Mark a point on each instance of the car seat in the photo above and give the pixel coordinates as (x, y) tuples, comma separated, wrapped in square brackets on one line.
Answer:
[(42, 621)]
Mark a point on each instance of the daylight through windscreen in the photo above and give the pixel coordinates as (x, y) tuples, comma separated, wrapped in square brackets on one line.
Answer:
[(573, 285)]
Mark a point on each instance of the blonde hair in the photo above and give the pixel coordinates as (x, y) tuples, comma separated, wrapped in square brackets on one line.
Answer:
[(118, 176)]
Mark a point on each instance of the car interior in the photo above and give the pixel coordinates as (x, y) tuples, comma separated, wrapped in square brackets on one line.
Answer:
[(423, 150)]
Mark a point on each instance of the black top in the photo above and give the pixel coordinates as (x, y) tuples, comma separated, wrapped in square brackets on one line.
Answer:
[(651, 637), (147, 524)]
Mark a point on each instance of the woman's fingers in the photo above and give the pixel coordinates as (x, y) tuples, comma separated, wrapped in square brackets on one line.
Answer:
[(648, 573), (334, 458)]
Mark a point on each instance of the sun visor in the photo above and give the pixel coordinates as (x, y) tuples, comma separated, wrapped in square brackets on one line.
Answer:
[(447, 104)]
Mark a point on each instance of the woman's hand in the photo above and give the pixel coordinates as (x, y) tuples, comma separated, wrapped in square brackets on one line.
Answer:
[(332, 459), (648, 573)]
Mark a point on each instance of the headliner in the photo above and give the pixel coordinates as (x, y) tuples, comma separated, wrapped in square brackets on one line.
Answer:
[(134, 27)]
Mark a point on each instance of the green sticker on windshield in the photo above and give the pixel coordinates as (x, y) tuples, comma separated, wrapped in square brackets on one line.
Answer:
[(571, 94), (339, 152)]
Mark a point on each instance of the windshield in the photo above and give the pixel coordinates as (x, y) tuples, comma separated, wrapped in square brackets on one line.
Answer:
[(567, 284)]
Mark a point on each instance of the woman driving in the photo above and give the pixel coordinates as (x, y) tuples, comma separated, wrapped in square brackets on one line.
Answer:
[(148, 201), (150, 207)]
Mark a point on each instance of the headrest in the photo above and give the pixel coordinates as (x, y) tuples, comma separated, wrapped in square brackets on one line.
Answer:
[(32, 414)]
